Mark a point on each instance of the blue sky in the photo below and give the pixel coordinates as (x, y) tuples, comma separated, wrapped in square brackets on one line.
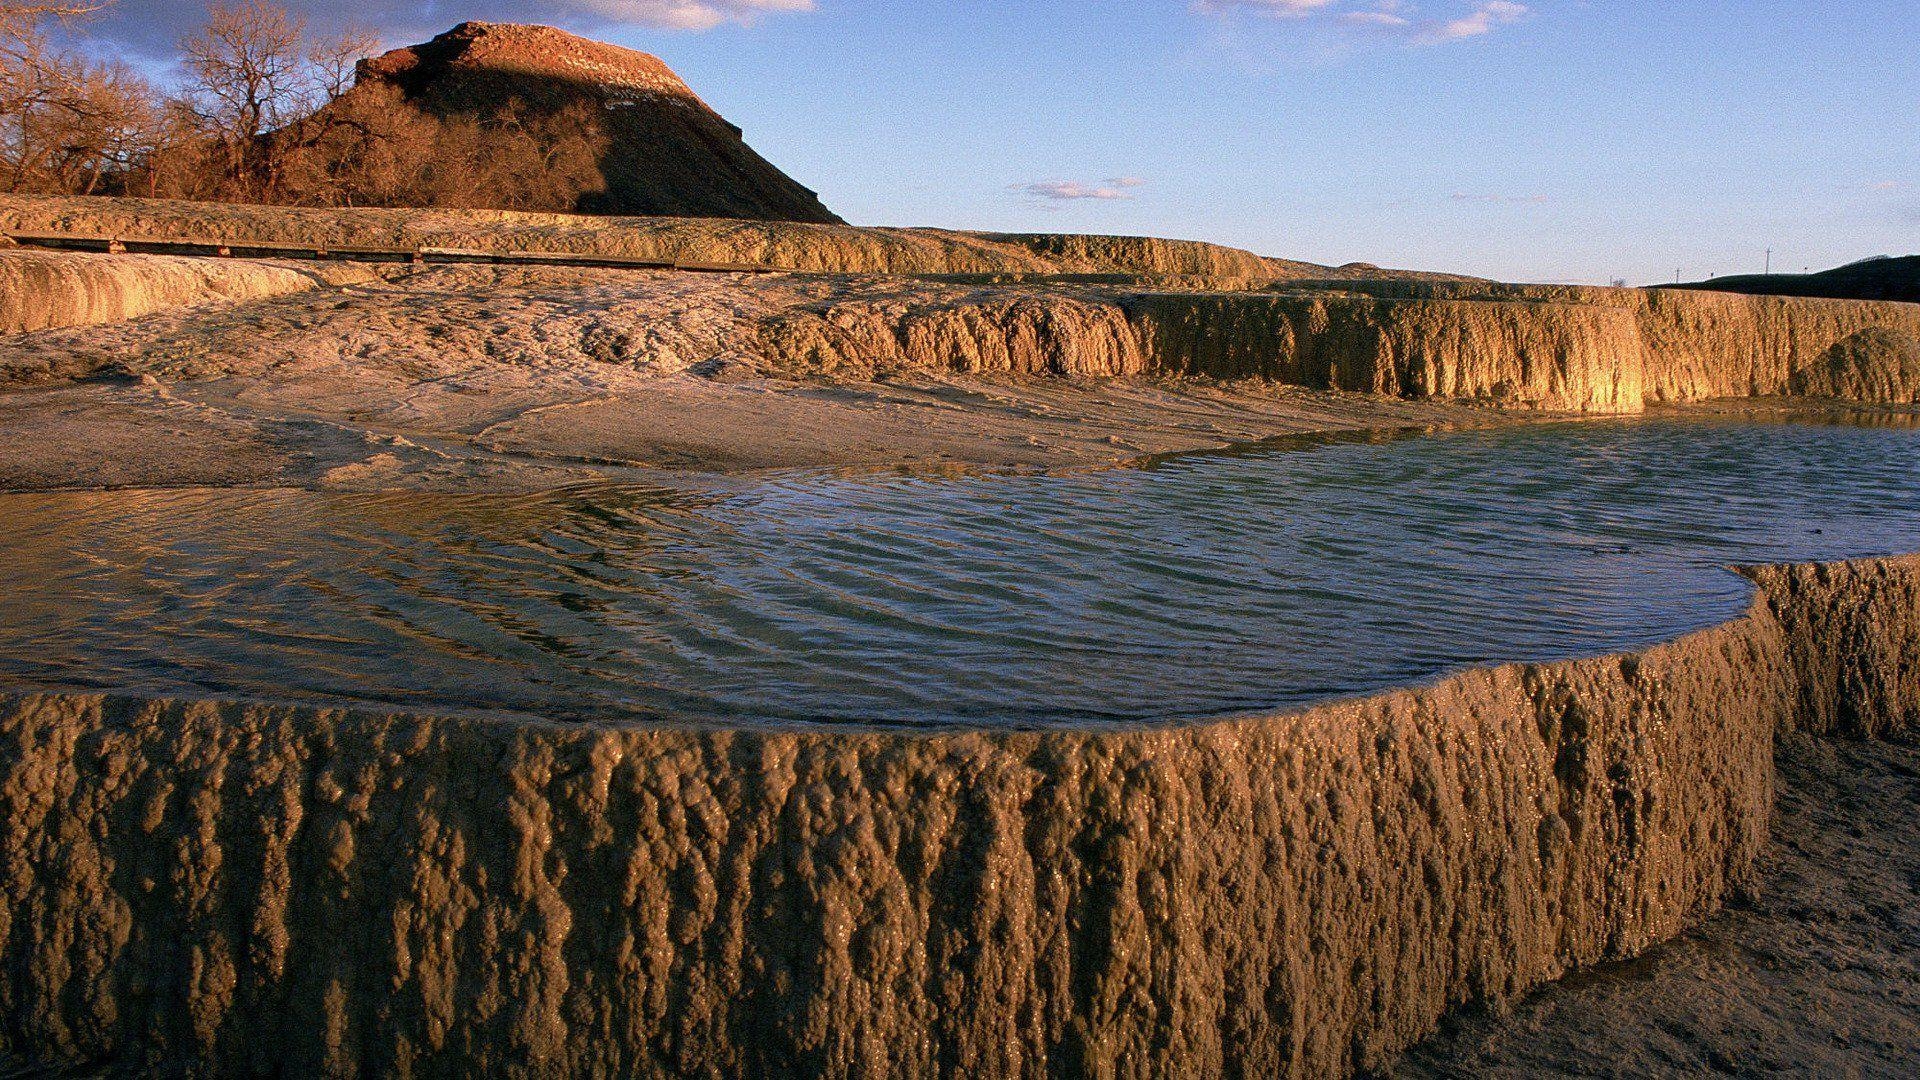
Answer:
[(1550, 141)]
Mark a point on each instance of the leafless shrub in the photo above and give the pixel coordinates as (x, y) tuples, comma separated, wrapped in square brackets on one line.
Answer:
[(67, 124)]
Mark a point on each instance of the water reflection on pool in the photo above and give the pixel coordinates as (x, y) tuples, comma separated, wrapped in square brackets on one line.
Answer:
[(1192, 587)]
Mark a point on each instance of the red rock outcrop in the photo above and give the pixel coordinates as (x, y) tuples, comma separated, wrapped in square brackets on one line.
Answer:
[(662, 150)]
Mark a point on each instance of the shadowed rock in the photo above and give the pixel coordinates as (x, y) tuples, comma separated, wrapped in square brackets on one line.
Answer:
[(1876, 364), (1880, 278)]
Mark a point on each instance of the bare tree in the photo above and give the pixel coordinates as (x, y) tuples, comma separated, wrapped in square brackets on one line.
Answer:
[(251, 103), (29, 66), (256, 83), (21, 18), (269, 113), (66, 123), (104, 133), (246, 74), (333, 60)]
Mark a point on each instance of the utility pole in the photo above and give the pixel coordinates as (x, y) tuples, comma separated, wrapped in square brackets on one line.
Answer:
[(1769, 262)]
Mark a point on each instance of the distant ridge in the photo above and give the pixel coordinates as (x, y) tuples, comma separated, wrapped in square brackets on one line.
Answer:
[(1880, 277), (661, 151)]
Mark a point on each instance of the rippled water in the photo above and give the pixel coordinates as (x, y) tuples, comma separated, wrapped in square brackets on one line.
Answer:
[(1194, 587)]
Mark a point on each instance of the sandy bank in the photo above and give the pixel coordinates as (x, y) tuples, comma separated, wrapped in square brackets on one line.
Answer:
[(1296, 895)]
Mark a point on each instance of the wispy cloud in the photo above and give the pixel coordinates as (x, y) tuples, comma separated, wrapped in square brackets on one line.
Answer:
[(1385, 15), (685, 14), (151, 26), (1119, 187), (1467, 196), (1885, 185), (1398, 21), (1477, 23), (1270, 9)]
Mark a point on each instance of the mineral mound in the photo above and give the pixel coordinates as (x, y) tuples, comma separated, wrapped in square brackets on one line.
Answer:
[(642, 141)]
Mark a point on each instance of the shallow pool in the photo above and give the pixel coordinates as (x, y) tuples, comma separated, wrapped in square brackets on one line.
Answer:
[(1188, 588)]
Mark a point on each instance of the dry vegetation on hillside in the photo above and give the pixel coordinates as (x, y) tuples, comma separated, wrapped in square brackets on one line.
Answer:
[(500, 117)]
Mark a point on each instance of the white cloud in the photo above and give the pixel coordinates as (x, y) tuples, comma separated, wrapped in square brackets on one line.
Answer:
[(686, 14), (1385, 15), (1464, 196), (1394, 20), (151, 26), (1270, 9), (1070, 190), (1477, 23)]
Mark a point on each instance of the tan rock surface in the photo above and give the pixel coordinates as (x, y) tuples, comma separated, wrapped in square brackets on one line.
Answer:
[(40, 290), (213, 882), (1817, 974), (1876, 364), (632, 367), (1701, 345), (790, 245), (578, 368)]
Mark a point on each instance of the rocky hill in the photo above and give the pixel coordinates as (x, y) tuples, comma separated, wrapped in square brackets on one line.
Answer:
[(638, 139)]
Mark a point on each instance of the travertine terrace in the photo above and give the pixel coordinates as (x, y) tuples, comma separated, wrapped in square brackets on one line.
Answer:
[(791, 245), (247, 886), (874, 302), (219, 886), (40, 290)]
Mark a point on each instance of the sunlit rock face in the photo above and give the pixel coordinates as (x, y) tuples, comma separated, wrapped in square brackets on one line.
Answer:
[(1692, 346), (1519, 347), (44, 289), (1606, 351)]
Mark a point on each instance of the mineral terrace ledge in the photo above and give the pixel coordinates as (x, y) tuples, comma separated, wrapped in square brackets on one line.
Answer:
[(211, 887)]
